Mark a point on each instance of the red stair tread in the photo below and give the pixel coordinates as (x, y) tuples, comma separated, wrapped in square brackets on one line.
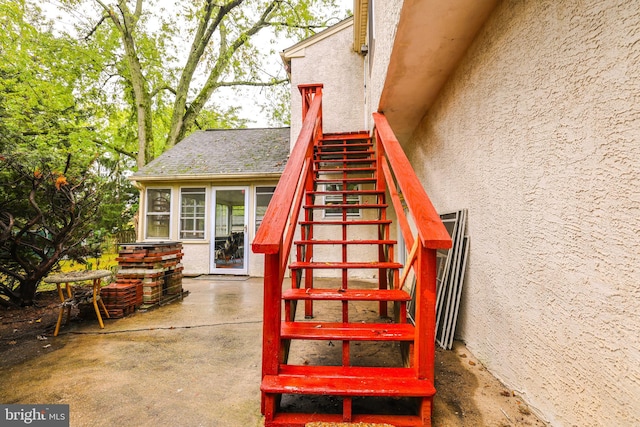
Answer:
[(348, 331), (346, 242), (346, 294), (343, 179), (349, 206), (341, 150), (345, 136), (347, 160), (345, 192), (348, 142), (336, 169), (347, 381), (342, 141), (324, 265), (348, 222), (293, 419)]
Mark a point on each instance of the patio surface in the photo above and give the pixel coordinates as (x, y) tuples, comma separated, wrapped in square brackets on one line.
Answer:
[(196, 362)]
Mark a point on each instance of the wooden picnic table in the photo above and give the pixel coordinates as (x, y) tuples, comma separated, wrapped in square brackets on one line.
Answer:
[(78, 278)]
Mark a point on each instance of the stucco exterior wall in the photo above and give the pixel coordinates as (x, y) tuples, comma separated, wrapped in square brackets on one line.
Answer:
[(332, 62), (385, 15), (537, 134)]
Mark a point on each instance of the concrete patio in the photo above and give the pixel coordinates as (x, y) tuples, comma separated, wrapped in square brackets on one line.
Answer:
[(197, 362)]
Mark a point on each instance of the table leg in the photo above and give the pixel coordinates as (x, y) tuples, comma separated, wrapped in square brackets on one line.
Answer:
[(61, 295), (96, 288), (100, 301), (62, 306), (69, 296)]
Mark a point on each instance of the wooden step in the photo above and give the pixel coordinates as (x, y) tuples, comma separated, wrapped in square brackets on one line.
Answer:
[(344, 161), (319, 294), (294, 419), (349, 206), (345, 136), (339, 150), (345, 242), (344, 265), (329, 331), (338, 154), (348, 222), (347, 381), (330, 140), (348, 169), (346, 193), (345, 180)]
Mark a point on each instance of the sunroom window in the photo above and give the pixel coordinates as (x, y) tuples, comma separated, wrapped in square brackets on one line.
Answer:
[(263, 197), (158, 213), (192, 213)]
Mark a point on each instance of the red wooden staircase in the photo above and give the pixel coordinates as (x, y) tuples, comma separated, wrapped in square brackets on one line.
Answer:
[(332, 199)]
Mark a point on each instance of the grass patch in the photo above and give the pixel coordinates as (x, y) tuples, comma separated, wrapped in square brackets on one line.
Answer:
[(105, 262)]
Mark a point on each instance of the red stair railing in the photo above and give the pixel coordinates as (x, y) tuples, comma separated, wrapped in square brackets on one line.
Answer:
[(396, 175), (275, 235)]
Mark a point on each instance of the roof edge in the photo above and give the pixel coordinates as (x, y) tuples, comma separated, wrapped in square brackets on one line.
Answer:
[(204, 177), (297, 50)]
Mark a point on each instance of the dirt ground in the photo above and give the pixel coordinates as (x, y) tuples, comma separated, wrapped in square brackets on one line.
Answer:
[(467, 394)]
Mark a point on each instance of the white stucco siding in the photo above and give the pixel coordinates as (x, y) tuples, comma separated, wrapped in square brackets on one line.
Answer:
[(197, 257), (386, 15), (537, 134), (332, 62)]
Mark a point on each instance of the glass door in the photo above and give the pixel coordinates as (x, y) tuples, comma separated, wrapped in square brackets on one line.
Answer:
[(230, 219)]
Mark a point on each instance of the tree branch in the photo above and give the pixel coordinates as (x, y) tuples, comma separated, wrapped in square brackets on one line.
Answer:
[(95, 27), (157, 90), (302, 27), (223, 60), (111, 14), (250, 83)]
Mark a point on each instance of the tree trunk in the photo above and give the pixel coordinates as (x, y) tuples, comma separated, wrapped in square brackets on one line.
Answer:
[(141, 94)]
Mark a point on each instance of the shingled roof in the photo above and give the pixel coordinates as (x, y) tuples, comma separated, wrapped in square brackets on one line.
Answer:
[(222, 152)]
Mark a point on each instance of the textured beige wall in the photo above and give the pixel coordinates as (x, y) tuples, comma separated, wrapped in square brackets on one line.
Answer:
[(333, 63), (538, 135), (386, 15)]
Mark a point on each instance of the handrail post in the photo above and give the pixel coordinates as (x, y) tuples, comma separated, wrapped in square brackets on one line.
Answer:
[(271, 324), (425, 315), (308, 92)]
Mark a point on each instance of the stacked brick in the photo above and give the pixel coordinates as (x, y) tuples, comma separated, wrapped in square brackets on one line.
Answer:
[(122, 297), (156, 265)]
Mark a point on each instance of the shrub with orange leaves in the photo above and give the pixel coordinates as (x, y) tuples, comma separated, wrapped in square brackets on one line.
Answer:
[(60, 181)]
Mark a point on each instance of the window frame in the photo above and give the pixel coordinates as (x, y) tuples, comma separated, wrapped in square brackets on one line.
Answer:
[(258, 220), (195, 233), (337, 199), (149, 214)]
